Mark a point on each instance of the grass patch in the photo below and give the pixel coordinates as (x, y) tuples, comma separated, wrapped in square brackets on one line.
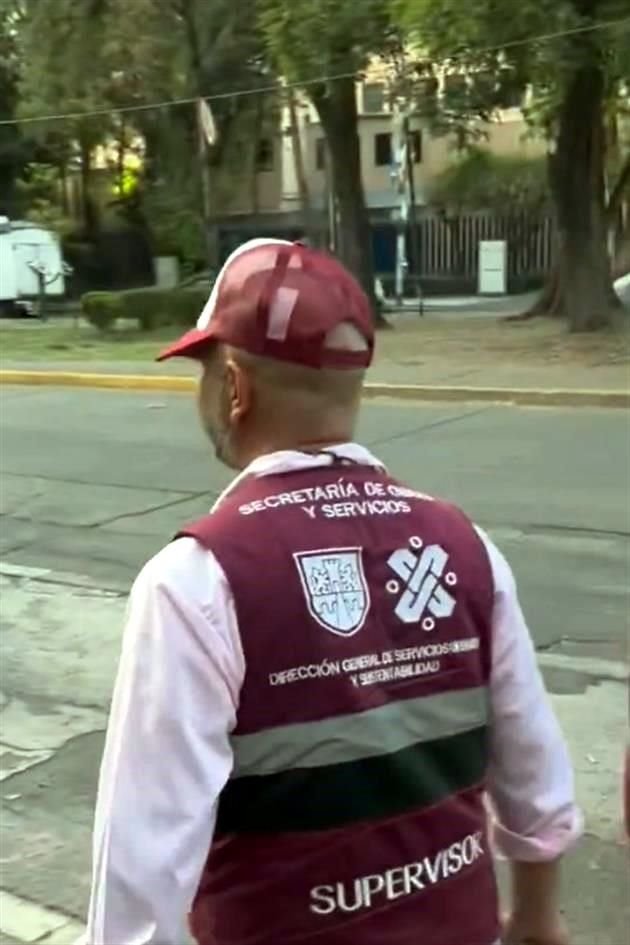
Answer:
[(50, 342)]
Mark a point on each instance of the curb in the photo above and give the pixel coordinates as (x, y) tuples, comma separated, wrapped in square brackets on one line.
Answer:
[(146, 382), (525, 397), (411, 392)]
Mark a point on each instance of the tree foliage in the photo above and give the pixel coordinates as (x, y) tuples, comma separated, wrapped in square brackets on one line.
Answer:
[(481, 180), (576, 69), (313, 39), (39, 188), (539, 46), (456, 62), (191, 48), (15, 150), (100, 55), (68, 72)]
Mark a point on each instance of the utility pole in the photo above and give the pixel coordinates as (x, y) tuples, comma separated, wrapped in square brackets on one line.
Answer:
[(400, 180), (403, 178), (207, 133), (330, 201), (413, 223)]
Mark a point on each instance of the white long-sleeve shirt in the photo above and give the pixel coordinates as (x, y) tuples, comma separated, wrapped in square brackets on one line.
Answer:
[(167, 753)]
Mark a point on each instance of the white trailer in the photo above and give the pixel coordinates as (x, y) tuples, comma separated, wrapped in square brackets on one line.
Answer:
[(30, 261)]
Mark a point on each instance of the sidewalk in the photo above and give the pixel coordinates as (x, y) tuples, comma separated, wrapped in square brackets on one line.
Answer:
[(22, 921)]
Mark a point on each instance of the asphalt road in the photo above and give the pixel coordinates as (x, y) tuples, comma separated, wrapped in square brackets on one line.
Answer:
[(97, 481), (94, 482)]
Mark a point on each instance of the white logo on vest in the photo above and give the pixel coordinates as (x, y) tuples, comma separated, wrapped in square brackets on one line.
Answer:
[(335, 588), (424, 597)]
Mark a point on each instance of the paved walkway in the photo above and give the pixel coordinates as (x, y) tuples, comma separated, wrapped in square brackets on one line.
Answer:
[(22, 921)]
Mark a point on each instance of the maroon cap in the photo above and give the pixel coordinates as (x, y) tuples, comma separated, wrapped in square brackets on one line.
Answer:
[(281, 300)]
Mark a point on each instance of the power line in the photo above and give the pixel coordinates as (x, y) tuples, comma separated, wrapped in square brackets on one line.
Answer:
[(175, 102), (306, 83)]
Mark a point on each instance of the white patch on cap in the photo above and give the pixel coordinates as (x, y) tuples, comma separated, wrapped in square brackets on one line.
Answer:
[(345, 337), (280, 312), (204, 319)]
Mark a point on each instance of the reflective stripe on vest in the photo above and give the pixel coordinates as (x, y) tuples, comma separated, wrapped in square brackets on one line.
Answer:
[(320, 775), (387, 729)]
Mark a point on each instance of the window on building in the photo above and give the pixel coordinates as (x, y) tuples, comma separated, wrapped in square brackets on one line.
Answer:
[(427, 96), (383, 149), (264, 155), (428, 87), (320, 154), (374, 98), (415, 146), (512, 94), (501, 89)]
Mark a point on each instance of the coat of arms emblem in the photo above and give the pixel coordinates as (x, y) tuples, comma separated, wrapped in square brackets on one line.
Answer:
[(335, 588)]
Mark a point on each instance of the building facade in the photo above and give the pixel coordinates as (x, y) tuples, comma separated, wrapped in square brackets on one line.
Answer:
[(278, 204)]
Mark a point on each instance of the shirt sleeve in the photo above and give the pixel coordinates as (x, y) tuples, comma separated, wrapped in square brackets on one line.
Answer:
[(167, 752), (531, 777)]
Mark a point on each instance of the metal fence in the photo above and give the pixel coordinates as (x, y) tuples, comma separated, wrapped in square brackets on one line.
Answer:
[(443, 252), (450, 245)]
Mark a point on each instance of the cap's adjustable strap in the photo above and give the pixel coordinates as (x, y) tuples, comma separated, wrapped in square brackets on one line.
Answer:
[(275, 280)]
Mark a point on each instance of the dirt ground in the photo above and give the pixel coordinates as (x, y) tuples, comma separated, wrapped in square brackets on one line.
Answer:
[(482, 340)]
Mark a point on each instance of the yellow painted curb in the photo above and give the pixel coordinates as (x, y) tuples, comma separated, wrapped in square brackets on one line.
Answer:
[(146, 382), (411, 392)]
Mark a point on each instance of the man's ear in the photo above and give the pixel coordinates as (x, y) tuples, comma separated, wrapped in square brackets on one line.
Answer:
[(239, 390)]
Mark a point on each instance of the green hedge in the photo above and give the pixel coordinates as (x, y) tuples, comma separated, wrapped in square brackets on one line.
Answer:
[(187, 306), (150, 308), (101, 309)]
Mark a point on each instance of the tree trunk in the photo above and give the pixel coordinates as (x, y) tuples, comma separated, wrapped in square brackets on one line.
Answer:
[(255, 144), (88, 208), (578, 187), (337, 110), (63, 187), (552, 300), (550, 303), (210, 226)]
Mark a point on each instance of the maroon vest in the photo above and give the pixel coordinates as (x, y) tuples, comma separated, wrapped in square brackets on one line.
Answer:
[(354, 814)]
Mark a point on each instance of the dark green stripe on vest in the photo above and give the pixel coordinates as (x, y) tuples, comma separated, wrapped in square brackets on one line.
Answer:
[(370, 788)]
